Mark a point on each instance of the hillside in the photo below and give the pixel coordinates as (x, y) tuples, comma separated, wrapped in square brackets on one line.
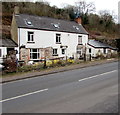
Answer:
[(100, 28)]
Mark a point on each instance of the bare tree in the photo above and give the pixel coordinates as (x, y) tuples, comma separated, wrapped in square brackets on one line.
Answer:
[(82, 7), (106, 14)]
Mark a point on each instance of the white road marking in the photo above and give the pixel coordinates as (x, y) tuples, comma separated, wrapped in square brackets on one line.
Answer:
[(23, 95), (47, 89), (96, 75)]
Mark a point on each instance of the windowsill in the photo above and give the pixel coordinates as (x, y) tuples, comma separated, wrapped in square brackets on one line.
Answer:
[(30, 42), (58, 42), (34, 60), (55, 55)]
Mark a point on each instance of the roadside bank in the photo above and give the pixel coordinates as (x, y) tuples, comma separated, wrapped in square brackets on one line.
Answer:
[(20, 76)]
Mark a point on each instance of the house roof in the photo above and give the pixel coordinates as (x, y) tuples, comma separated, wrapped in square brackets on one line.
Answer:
[(98, 44), (7, 43), (46, 23)]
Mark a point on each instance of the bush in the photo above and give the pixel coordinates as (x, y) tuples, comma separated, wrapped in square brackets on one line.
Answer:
[(101, 56), (114, 55), (27, 68)]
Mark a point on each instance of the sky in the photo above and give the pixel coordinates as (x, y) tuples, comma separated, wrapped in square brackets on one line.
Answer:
[(111, 5)]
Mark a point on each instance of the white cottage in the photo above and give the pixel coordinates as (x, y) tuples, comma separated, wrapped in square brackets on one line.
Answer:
[(42, 38), (6, 45), (96, 48)]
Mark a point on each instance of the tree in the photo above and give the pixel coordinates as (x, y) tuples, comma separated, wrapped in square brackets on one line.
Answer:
[(106, 20), (82, 7), (70, 10)]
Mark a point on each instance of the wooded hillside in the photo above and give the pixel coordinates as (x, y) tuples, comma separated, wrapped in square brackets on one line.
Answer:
[(100, 27)]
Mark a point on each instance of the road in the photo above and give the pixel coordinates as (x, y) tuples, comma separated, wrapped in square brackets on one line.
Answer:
[(88, 90)]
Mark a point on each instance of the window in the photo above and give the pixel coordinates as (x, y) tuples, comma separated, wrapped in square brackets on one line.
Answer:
[(0, 52), (104, 50), (31, 37), (79, 51), (89, 50), (63, 51), (76, 27), (55, 52), (34, 54), (58, 37), (56, 25), (10, 50), (79, 40), (28, 23)]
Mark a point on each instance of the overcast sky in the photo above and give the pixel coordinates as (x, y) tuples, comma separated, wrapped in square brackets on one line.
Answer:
[(111, 5)]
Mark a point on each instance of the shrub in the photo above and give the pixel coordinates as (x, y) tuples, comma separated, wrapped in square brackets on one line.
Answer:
[(70, 61), (101, 56), (27, 68), (114, 55)]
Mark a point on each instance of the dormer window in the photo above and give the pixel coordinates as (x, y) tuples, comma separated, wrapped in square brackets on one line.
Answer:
[(76, 27), (27, 22), (56, 25)]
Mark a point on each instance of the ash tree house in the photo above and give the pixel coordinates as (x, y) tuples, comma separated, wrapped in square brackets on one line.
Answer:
[(40, 38)]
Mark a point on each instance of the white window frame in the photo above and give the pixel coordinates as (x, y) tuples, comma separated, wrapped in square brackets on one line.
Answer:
[(79, 40), (30, 36), (58, 38), (32, 52), (55, 52)]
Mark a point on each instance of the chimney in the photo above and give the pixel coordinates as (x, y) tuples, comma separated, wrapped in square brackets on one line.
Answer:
[(78, 20), (16, 10)]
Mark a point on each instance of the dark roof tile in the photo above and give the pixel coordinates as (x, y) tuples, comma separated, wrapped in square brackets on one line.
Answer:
[(98, 44), (46, 23), (7, 43)]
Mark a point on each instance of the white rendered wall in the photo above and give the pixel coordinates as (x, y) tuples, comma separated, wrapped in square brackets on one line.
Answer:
[(43, 39), (3, 53), (94, 51)]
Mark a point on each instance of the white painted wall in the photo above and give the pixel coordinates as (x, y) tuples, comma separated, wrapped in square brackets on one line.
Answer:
[(94, 51), (45, 39), (3, 53)]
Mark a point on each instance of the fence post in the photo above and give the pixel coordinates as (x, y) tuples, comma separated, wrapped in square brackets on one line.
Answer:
[(84, 57), (44, 64), (90, 57)]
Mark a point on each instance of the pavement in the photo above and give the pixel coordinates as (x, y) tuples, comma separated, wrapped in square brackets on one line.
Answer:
[(53, 70)]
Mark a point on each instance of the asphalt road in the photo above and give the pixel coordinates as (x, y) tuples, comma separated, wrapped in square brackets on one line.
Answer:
[(88, 90)]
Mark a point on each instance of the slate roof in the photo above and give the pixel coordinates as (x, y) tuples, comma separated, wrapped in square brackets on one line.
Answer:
[(7, 43), (46, 23), (98, 44)]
